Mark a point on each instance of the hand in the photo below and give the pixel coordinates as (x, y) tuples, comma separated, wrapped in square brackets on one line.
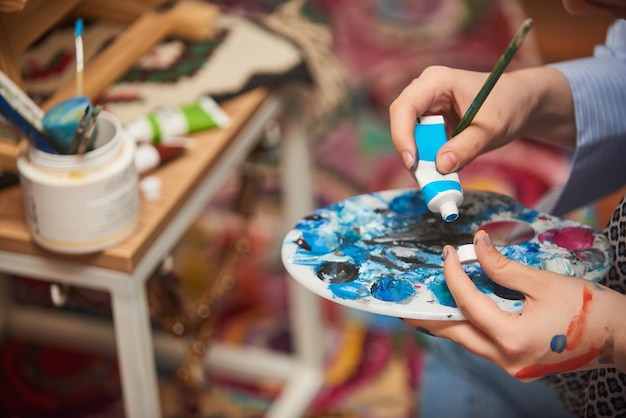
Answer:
[(567, 323), (533, 102)]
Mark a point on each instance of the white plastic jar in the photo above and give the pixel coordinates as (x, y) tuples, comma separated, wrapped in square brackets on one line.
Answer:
[(82, 203)]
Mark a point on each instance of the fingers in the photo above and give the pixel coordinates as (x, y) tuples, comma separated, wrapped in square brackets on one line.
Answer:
[(461, 332), (403, 113), (430, 93), (439, 90), (454, 330), (473, 303), (504, 271), (461, 150)]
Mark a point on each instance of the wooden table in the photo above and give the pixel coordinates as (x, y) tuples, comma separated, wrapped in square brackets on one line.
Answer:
[(187, 184)]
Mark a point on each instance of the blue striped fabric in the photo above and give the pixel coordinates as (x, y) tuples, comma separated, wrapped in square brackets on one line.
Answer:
[(599, 88)]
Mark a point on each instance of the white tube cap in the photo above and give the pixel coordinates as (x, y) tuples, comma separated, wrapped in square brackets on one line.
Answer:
[(151, 187), (467, 253)]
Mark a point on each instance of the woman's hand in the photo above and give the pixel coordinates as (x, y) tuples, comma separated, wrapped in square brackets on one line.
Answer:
[(533, 102), (567, 323)]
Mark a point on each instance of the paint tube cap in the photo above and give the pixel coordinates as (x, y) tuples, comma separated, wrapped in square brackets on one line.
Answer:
[(466, 253), (140, 129), (449, 211), (146, 158), (151, 187)]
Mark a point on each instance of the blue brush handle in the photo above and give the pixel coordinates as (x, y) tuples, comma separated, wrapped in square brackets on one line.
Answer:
[(32, 134)]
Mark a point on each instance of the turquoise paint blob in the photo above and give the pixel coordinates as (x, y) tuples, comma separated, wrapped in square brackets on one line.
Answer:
[(442, 294), (558, 343), (62, 120), (392, 290), (349, 290), (321, 241)]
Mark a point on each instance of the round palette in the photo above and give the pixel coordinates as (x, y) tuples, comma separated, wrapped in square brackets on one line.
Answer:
[(381, 252)]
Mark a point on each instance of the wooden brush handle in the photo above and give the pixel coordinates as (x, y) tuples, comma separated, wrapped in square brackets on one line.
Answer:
[(153, 26), (117, 11)]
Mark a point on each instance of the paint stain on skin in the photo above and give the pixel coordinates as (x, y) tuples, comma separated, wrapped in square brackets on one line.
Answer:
[(570, 341), (576, 329), (424, 331), (604, 354), (540, 370), (558, 343), (607, 352)]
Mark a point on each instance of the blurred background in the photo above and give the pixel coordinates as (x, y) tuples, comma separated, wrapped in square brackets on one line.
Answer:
[(354, 58)]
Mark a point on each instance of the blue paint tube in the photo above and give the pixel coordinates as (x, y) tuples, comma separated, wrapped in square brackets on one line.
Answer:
[(443, 193)]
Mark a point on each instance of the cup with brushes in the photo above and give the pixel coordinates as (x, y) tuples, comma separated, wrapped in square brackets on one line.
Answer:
[(82, 196), (71, 126)]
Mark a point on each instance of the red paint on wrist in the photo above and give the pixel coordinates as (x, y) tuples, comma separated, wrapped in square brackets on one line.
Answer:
[(576, 329), (540, 370)]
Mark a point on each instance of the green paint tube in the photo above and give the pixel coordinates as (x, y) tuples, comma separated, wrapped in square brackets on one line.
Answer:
[(169, 122)]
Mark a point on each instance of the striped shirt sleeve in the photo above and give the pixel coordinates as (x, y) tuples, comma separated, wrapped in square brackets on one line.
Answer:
[(598, 85)]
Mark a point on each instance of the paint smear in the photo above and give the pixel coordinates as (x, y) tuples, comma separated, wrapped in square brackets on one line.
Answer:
[(540, 370), (573, 238), (576, 329)]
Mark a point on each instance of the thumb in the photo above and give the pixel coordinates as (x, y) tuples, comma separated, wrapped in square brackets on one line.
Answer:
[(461, 149), (503, 270)]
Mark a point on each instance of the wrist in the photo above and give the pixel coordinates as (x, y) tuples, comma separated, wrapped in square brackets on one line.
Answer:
[(549, 116), (613, 313)]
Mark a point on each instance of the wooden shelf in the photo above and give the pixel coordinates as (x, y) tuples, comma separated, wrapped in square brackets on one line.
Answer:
[(8, 156), (148, 24), (178, 180)]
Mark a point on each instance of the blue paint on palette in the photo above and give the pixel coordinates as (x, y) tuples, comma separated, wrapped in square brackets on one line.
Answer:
[(392, 289), (381, 252)]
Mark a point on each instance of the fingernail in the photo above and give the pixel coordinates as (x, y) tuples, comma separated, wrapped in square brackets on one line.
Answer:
[(424, 331), (447, 162), (444, 253), (486, 240), (409, 160)]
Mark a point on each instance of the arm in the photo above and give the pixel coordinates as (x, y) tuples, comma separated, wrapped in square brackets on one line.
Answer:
[(598, 85), (579, 104), (567, 323)]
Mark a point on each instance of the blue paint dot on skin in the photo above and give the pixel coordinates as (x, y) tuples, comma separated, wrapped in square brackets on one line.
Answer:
[(558, 343)]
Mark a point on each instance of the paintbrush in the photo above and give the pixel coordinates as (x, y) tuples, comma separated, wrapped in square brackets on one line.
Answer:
[(493, 77), (19, 109), (79, 133), (86, 142), (78, 43)]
